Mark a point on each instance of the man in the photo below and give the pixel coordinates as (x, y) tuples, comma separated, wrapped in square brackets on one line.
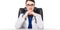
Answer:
[(29, 20)]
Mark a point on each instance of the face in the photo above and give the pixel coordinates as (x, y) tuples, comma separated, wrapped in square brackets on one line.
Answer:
[(30, 5)]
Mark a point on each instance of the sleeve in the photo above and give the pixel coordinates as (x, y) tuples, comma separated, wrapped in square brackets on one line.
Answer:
[(19, 21), (39, 21)]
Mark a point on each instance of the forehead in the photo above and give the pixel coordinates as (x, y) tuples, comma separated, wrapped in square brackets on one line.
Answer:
[(30, 2)]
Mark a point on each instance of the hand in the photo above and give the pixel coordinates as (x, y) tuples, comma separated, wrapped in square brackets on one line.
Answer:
[(34, 14), (27, 13)]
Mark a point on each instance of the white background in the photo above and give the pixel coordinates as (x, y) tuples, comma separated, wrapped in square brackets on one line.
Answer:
[(9, 13)]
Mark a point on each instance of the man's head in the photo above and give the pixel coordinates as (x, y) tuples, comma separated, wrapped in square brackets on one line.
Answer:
[(30, 4)]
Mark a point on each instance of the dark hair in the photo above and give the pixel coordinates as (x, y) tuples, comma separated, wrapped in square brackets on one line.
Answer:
[(30, 0)]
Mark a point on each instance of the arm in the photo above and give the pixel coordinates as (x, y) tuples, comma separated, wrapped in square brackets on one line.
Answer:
[(20, 21), (39, 20)]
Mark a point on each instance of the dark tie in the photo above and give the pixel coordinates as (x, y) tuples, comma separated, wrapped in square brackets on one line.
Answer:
[(30, 21)]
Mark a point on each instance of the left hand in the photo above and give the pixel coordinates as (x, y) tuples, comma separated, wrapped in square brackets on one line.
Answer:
[(32, 13)]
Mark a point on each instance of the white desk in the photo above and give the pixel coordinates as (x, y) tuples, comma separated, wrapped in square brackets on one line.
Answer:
[(29, 29)]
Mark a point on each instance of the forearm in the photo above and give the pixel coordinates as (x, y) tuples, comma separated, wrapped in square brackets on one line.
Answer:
[(20, 22), (39, 20)]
